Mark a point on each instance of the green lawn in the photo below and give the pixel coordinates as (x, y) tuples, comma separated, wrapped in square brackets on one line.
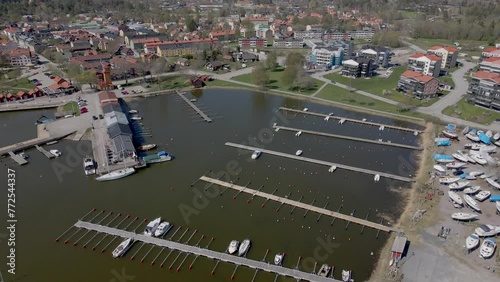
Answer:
[(15, 86), (471, 112), (73, 107), (338, 94), (276, 81), (169, 82), (377, 85)]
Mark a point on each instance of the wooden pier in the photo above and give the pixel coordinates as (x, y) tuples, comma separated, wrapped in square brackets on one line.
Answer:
[(30, 143), (45, 152), (200, 112), (301, 205), (320, 162), (349, 138), (353, 120), (198, 251), (18, 159)]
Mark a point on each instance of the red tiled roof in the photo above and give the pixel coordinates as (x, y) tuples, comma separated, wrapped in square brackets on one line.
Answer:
[(255, 19), (201, 40), (416, 56), (492, 60), (107, 95), (487, 75), (418, 76), (223, 32), (10, 30), (447, 48), (20, 52), (145, 40), (491, 49)]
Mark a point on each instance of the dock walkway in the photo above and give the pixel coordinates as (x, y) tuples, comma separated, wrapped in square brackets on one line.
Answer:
[(320, 162), (30, 143), (349, 138), (353, 120), (300, 205), (18, 159), (200, 112), (45, 152), (294, 273)]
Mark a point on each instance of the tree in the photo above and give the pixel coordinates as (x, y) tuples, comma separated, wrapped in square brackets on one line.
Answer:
[(295, 59), (260, 76), (158, 66), (302, 81), (191, 24), (289, 74), (272, 61)]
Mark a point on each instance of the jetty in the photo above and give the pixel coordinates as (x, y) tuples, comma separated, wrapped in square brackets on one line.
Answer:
[(200, 112), (204, 252), (378, 142), (307, 207), (352, 120), (320, 162), (45, 152), (31, 143), (18, 159)]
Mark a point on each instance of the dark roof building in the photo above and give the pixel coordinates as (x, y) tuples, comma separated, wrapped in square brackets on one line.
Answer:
[(119, 129)]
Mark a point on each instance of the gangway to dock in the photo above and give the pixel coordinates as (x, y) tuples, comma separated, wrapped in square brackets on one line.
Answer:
[(352, 120), (301, 205), (320, 162), (319, 133), (200, 112), (205, 252), (45, 152)]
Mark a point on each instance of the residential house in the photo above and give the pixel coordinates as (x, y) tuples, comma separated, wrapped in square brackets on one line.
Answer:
[(381, 56), (22, 57), (61, 86), (10, 32), (245, 57), (263, 31), (484, 89), (181, 47), (196, 81), (426, 64), (358, 67), (448, 55), (183, 62), (336, 35), (226, 35), (138, 43), (490, 64), (216, 65), (326, 57), (257, 21), (252, 42), (491, 52), (288, 43), (422, 86)]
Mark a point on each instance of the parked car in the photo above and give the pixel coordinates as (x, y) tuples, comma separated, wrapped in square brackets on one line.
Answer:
[(125, 92), (52, 77), (101, 116), (94, 118), (83, 110), (38, 84)]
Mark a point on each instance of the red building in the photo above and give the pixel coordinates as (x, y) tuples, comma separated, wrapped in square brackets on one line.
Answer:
[(252, 42)]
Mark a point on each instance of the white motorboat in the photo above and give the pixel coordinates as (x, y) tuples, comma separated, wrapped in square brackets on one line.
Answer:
[(341, 121), (448, 180), (150, 229), (476, 173), (463, 216), (305, 109), (88, 165), (460, 157), (483, 195), (298, 153), (487, 230), (256, 155), (487, 248), (332, 168), (324, 270), (470, 177), (493, 183), (298, 133), (162, 229), (466, 130), (472, 190), (233, 247), (278, 259), (117, 174), (55, 152), (122, 248), (376, 178), (472, 242), (244, 247), (458, 185), (346, 275), (473, 137), (496, 136), (133, 112), (147, 147), (472, 203), (193, 100), (439, 168), (489, 133), (135, 118), (479, 159), (327, 118), (455, 198), (473, 146), (455, 165), (485, 176), (450, 134)]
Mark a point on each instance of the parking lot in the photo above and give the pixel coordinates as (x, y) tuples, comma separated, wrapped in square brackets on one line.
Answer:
[(42, 81)]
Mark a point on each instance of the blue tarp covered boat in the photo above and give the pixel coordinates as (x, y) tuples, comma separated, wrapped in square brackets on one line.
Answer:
[(443, 143), (442, 157), (485, 139), (494, 198), (451, 127)]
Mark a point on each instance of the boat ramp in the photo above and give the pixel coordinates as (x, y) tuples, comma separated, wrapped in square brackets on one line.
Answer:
[(378, 142), (379, 125), (307, 207), (320, 162), (200, 112)]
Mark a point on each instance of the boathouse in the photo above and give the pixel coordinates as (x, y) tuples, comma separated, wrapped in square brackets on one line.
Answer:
[(398, 248)]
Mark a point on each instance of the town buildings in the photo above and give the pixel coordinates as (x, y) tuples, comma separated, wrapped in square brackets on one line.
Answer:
[(448, 55), (426, 64), (326, 57), (419, 85), (490, 64), (252, 42), (358, 67), (491, 52), (484, 89), (381, 56)]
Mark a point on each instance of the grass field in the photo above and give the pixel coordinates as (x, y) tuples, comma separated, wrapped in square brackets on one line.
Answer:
[(73, 107), (15, 86), (276, 81), (222, 83), (471, 112), (338, 94)]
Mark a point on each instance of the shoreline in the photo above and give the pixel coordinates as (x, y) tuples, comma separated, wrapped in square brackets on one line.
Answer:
[(412, 200)]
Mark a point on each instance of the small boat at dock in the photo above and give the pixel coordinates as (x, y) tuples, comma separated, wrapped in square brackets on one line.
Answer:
[(463, 216), (324, 270), (298, 153), (133, 112), (487, 248), (89, 166), (472, 136), (244, 247), (162, 156), (193, 100), (256, 155), (146, 147), (150, 229), (466, 130), (117, 174), (346, 275), (55, 152), (305, 109), (332, 168), (376, 178), (136, 118), (342, 121), (233, 247), (24, 155), (298, 133), (278, 259), (122, 248), (162, 229), (472, 242), (496, 136)]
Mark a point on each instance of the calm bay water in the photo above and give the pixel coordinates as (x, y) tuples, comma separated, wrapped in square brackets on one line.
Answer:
[(47, 205)]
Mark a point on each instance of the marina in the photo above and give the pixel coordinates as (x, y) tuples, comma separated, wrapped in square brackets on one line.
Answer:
[(344, 119), (301, 205), (45, 152), (379, 142), (328, 164), (200, 112)]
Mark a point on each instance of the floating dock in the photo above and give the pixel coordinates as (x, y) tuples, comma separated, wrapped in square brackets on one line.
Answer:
[(320, 162), (200, 112), (353, 120), (301, 205), (198, 251), (45, 152), (349, 138), (18, 159), (30, 143)]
